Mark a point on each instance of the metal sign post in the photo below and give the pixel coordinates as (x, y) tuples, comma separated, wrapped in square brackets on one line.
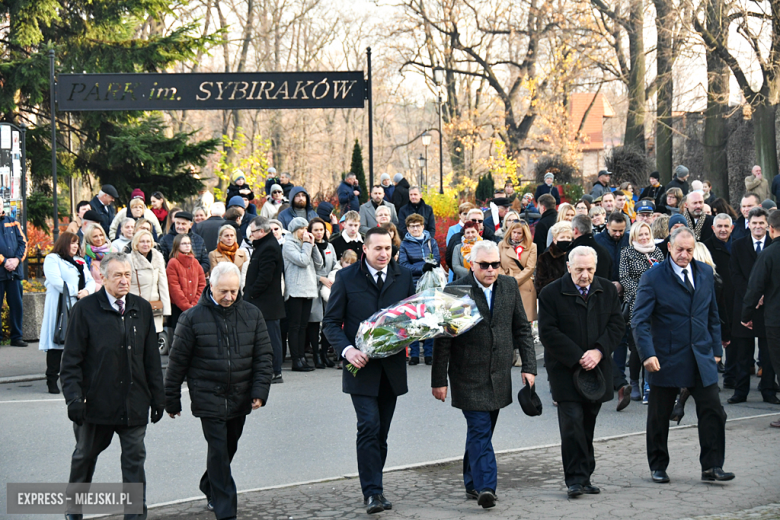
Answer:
[(13, 173)]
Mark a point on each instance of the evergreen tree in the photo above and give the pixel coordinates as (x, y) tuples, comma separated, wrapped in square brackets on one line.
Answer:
[(126, 149), (485, 188), (357, 168)]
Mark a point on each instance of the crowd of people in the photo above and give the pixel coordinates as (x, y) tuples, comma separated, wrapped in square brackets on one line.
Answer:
[(649, 279)]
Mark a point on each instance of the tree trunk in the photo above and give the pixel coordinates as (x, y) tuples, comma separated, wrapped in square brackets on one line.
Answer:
[(635, 122), (765, 137), (716, 134), (664, 23)]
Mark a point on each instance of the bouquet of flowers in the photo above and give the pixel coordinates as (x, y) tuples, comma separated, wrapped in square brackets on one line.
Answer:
[(434, 279), (431, 313)]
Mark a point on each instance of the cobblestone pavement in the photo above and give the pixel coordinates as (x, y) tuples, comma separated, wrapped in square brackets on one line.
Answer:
[(530, 485)]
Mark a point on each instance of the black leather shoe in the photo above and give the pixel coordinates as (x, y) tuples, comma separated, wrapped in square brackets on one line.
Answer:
[(52, 386), (73, 516), (385, 502), (472, 494), (721, 368), (624, 397), (373, 505), (590, 489), (716, 474), (428, 360), (209, 504), (327, 361), (772, 400), (575, 491), (414, 361), (18, 343), (486, 499), (734, 399), (659, 476), (299, 365)]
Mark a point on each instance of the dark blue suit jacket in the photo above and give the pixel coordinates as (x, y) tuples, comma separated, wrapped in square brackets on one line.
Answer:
[(681, 329), (354, 297)]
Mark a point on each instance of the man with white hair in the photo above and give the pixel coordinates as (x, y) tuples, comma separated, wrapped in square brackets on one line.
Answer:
[(580, 323), (479, 364), (209, 228), (222, 347)]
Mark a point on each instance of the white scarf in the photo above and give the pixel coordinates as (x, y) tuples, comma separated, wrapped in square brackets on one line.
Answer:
[(646, 249)]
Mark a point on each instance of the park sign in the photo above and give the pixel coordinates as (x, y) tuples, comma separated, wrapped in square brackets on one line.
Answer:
[(210, 91)]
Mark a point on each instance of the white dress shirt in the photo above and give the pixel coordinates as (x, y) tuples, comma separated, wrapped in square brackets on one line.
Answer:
[(373, 273), (113, 300), (679, 272)]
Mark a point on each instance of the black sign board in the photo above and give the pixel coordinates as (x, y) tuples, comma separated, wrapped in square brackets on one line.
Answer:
[(210, 91)]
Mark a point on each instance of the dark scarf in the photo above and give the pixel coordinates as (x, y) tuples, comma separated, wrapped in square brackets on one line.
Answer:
[(79, 267), (322, 246)]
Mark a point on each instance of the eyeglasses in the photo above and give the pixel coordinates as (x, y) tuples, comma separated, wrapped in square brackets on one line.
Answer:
[(488, 265), (478, 221), (513, 221), (414, 226)]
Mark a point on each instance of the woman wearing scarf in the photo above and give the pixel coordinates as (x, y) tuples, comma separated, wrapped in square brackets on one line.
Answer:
[(319, 347), (160, 209), (61, 266), (228, 251), (148, 278), (95, 247), (638, 257), (460, 256), (552, 263), (419, 253), (518, 260)]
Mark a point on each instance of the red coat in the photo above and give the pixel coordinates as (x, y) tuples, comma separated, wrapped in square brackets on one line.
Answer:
[(186, 281)]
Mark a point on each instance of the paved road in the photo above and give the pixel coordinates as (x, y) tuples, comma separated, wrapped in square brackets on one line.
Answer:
[(306, 432)]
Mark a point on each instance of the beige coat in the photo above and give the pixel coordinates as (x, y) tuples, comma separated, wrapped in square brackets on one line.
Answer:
[(241, 261), (758, 186), (150, 282), (524, 276)]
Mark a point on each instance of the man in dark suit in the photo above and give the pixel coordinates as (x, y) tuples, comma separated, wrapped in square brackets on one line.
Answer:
[(719, 246), (263, 286), (741, 228), (580, 323), (102, 204), (360, 290), (700, 224), (744, 253), (764, 292), (479, 364), (677, 331), (549, 216)]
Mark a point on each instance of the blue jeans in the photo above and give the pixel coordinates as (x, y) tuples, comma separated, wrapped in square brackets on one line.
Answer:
[(480, 471), (414, 348), (12, 290), (275, 335)]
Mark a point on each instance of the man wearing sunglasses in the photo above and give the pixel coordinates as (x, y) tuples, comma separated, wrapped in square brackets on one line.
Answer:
[(478, 364)]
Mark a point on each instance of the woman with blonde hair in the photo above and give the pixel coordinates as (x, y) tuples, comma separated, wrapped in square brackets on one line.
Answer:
[(566, 213), (135, 209), (94, 247), (518, 255), (228, 251), (148, 278), (512, 217)]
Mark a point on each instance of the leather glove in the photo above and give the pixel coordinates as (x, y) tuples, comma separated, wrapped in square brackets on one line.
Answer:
[(77, 411), (428, 267), (173, 407), (157, 413)]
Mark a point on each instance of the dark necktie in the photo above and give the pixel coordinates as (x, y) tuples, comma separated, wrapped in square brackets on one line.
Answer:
[(121, 305), (583, 292), (758, 246), (687, 280), (379, 282)]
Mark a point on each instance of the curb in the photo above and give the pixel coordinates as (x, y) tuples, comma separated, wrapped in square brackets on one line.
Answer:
[(33, 377)]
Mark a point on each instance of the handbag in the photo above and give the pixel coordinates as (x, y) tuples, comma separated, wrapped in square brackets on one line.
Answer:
[(157, 305), (63, 313)]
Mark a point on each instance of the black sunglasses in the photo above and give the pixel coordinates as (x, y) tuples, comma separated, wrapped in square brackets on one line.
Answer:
[(487, 265), (478, 221)]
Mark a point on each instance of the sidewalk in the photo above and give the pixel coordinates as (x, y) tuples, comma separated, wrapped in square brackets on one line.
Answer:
[(22, 363), (531, 486)]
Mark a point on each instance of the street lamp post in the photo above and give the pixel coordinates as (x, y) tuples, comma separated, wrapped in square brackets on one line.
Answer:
[(426, 141), (421, 162), (438, 78)]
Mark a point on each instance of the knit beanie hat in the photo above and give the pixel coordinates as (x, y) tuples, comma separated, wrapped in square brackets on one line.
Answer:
[(397, 178), (236, 201), (238, 175), (138, 194), (677, 219), (296, 224), (681, 172)]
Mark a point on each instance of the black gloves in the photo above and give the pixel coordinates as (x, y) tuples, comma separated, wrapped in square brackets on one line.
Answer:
[(157, 413), (173, 407), (77, 411), (428, 267)]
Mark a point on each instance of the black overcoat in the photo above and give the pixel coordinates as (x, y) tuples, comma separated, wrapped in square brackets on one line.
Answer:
[(743, 258), (263, 287), (722, 258)]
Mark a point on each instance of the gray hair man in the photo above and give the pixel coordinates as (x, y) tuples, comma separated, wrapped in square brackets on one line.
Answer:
[(488, 386), (102, 402), (222, 347), (580, 324)]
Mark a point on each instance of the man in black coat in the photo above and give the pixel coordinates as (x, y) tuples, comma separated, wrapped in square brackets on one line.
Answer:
[(655, 191), (208, 230), (111, 375), (102, 204), (263, 287), (719, 246), (580, 322), (373, 283), (764, 286), (416, 205), (741, 227), (700, 224), (582, 232), (221, 346), (744, 253), (400, 193), (182, 223), (479, 365), (679, 179), (549, 216)]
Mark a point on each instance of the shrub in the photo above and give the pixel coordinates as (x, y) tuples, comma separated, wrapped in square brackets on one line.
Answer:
[(564, 171), (628, 163)]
